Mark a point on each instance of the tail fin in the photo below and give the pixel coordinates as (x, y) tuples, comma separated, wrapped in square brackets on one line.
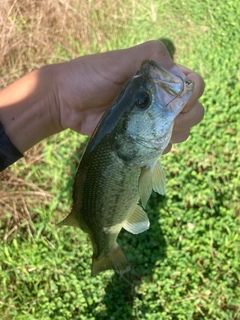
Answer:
[(115, 260)]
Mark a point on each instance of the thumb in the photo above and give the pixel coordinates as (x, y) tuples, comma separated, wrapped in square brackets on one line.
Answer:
[(130, 59)]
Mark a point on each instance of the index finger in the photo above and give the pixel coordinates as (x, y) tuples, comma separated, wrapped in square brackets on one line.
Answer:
[(198, 87)]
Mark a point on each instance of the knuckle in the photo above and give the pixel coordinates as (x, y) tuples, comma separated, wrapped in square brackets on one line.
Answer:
[(168, 148), (177, 123), (157, 48), (181, 136), (160, 47), (201, 111), (200, 85)]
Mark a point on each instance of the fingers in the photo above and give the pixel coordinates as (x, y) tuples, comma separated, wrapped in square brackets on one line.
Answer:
[(193, 112), (198, 87), (180, 137), (168, 148), (185, 121), (133, 57)]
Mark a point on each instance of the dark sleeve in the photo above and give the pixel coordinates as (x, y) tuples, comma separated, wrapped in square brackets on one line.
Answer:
[(8, 152)]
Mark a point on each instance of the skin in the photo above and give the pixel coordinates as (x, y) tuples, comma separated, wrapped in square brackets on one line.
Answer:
[(75, 95)]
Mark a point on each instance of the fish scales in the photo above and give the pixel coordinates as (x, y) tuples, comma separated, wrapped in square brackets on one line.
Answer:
[(108, 188), (120, 163)]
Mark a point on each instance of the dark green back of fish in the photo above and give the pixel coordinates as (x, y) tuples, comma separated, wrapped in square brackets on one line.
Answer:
[(105, 191)]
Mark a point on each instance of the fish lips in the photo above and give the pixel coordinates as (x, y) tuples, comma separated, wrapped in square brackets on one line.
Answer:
[(172, 90)]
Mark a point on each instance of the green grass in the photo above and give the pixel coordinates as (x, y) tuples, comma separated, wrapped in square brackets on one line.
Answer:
[(186, 266)]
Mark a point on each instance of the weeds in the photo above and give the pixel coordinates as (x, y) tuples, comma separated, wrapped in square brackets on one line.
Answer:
[(32, 33), (186, 266)]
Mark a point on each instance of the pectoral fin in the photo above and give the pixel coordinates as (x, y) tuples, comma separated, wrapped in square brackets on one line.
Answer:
[(137, 221), (145, 185), (151, 179), (158, 179)]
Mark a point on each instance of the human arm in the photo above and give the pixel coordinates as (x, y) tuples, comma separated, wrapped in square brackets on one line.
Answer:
[(75, 95)]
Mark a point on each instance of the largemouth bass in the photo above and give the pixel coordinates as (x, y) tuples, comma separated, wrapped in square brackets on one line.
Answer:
[(120, 163)]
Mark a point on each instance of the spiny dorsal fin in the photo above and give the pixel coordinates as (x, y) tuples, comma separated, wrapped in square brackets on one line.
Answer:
[(70, 220), (137, 221)]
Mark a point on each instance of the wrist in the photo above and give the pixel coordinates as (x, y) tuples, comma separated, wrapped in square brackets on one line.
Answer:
[(28, 108)]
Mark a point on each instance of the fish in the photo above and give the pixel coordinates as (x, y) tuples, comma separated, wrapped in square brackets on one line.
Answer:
[(119, 167)]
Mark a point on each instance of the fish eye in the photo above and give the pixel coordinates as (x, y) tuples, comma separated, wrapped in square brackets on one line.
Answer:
[(142, 99)]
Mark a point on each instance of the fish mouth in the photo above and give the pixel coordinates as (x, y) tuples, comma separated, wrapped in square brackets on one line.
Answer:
[(172, 90)]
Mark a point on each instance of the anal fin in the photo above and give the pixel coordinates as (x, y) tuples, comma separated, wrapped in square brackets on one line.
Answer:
[(137, 221)]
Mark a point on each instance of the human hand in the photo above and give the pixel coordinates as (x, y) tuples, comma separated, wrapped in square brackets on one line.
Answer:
[(76, 94), (86, 86), (192, 113)]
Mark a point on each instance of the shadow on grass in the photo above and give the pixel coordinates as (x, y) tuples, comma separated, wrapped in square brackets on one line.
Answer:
[(143, 251)]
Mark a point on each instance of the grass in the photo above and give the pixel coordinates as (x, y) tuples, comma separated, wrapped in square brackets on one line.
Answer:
[(186, 266)]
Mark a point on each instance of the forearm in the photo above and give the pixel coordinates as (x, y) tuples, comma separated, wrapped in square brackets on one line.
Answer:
[(28, 110)]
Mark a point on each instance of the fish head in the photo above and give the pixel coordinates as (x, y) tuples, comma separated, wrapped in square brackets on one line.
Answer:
[(156, 96)]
